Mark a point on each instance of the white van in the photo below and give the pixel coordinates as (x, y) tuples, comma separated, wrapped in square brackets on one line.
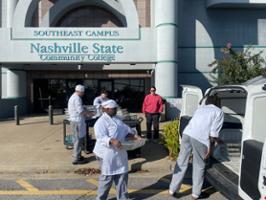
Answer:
[(238, 168)]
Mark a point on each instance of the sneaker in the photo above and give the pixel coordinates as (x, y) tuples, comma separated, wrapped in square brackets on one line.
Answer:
[(171, 193), (203, 195)]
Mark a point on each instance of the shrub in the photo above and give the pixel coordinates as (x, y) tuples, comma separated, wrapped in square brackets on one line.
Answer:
[(170, 138), (237, 67)]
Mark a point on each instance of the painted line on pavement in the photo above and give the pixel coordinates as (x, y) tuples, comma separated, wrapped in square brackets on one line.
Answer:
[(33, 191), (184, 187), (95, 182), (49, 192), (77, 192), (27, 185)]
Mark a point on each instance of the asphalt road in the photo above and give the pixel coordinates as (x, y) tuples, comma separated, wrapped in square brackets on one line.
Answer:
[(140, 187)]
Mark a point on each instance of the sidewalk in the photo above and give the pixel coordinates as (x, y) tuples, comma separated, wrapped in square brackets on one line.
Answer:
[(36, 148)]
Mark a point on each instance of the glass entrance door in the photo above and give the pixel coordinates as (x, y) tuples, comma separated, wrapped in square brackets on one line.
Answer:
[(107, 85), (129, 93)]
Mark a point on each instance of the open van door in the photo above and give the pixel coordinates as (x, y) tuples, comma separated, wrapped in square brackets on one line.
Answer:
[(252, 176), (191, 96), (262, 175)]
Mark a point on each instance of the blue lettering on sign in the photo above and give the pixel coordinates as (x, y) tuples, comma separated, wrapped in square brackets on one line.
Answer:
[(104, 33), (57, 33), (76, 33), (105, 49), (72, 48), (76, 51)]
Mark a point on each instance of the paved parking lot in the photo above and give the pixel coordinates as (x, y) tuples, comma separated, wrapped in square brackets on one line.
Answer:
[(140, 187), (37, 166)]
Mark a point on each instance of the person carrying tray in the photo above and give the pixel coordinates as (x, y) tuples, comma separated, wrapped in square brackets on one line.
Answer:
[(110, 132)]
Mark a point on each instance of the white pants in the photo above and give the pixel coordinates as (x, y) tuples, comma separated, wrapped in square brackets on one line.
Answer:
[(199, 151)]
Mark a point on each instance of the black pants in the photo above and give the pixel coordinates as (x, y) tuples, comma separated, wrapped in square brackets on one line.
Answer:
[(152, 118)]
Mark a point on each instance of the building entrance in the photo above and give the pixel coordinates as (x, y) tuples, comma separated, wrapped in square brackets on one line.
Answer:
[(129, 93)]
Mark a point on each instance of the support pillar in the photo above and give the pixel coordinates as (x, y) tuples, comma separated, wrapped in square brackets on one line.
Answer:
[(167, 65), (15, 84)]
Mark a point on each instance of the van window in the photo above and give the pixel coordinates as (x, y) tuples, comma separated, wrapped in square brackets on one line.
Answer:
[(233, 105), (259, 122)]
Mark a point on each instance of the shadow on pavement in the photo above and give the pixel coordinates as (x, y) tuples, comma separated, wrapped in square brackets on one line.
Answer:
[(151, 151), (163, 185)]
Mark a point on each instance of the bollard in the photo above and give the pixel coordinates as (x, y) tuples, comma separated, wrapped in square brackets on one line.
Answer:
[(51, 120), (16, 114)]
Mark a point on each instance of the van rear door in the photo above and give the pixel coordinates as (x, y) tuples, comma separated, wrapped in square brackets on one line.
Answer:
[(191, 96), (262, 175), (252, 183)]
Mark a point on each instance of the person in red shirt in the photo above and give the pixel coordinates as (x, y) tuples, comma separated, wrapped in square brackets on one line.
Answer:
[(152, 108)]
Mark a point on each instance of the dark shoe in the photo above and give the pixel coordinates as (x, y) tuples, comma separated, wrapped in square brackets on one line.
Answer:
[(203, 195), (81, 158), (78, 162), (174, 194)]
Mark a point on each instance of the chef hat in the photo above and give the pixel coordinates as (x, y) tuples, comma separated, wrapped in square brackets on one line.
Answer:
[(80, 88), (109, 104)]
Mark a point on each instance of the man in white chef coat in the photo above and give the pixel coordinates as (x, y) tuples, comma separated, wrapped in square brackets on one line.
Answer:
[(97, 102), (110, 133), (77, 114), (198, 137)]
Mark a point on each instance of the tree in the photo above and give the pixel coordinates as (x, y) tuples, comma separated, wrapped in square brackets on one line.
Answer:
[(237, 67)]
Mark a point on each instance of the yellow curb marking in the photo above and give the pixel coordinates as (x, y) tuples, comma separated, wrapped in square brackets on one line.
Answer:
[(50, 192), (95, 182), (31, 190), (27, 186), (79, 192), (148, 191), (185, 188)]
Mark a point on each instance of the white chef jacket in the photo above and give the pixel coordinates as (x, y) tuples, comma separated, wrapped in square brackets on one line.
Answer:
[(97, 102), (207, 121), (114, 160), (75, 108)]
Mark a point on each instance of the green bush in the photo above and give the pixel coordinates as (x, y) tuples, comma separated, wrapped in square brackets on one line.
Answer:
[(170, 138), (237, 67)]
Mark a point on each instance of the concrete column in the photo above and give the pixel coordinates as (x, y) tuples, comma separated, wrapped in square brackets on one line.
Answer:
[(8, 8), (166, 30), (3, 82), (15, 84)]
